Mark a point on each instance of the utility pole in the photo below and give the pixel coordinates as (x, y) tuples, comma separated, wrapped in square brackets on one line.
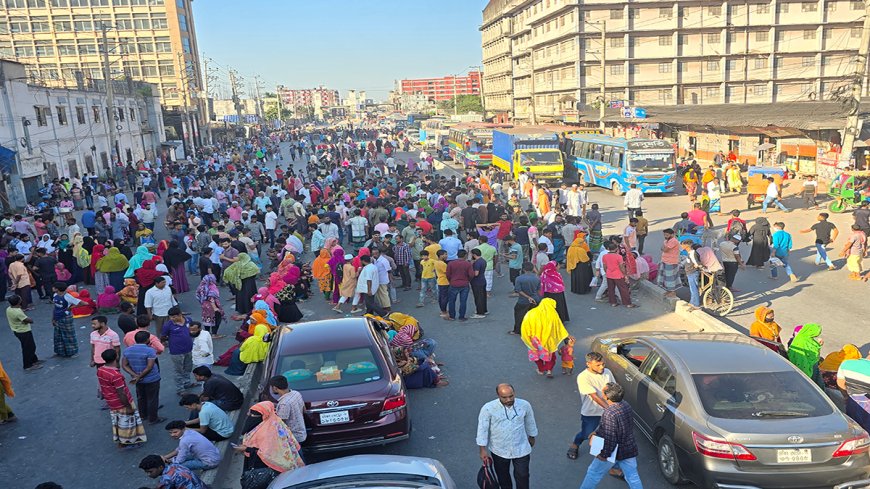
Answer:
[(185, 80), (480, 87), (601, 89), (532, 116), (257, 91), (455, 98), (110, 94), (205, 82), (850, 133), (280, 104), (234, 81)]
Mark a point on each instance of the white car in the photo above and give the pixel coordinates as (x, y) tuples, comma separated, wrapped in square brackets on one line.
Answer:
[(368, 471)]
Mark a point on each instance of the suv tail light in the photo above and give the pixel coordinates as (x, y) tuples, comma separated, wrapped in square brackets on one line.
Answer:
[(393, 404), (716, 448), (853, 446)]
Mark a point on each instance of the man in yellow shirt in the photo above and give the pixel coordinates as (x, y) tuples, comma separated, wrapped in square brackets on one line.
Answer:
[(440, 266), (432, 247), (427, 276)]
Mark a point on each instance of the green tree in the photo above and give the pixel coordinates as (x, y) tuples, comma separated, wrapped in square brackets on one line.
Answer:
[(271, 113), (465, 104)]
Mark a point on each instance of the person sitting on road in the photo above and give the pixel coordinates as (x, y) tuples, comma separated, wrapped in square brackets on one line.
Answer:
[(194, 451), (207, 418)]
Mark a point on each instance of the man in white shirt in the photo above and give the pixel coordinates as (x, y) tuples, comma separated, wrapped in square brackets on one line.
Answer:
[(506, 432), (271, 224), (633, 199), (367, 285), (203, 352), (158, 301), (590, 384), (384, 269), (328, 228), (772, 196)]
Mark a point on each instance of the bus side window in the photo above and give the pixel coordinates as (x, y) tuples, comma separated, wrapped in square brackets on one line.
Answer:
[(587, 150), (599, 149), (606, 156), (616, 158)]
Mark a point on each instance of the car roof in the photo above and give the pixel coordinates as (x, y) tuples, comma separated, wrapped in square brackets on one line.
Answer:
[(363, 464), (708, 353), (324, 335)]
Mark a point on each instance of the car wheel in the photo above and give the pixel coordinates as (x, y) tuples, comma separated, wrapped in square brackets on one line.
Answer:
[(669, 464)]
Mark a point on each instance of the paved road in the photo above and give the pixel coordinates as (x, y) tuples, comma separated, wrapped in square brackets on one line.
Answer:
[(59, 413)]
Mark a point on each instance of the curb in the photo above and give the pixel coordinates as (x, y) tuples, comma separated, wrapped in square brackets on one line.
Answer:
[(246, 384), (705, 322)]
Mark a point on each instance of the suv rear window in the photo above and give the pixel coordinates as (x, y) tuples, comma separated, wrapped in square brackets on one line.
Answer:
[(766, 395), (334, 368)]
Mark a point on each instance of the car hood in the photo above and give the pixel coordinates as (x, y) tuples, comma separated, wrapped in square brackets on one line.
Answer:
[(828, 428), (365, 464)]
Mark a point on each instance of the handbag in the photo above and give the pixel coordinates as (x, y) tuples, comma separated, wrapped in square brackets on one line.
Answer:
[(487, 478), (258, 478)]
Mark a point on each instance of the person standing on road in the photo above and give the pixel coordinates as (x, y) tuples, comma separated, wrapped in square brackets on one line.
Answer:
[(669, 268), (140, 361), (478, 284), (127, 428), (367, 286), (731, 260), (176, 331), (781, 245), (641, 230), (20, 325), (772, 196), (617, 430), (633, 200), (590, 384), (506, 432), (542, 332), (459, 274), (826, 233), (527, 288), (854, 251)]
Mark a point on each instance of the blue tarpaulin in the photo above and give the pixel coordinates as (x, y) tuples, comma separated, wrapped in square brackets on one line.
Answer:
[(7, 159)]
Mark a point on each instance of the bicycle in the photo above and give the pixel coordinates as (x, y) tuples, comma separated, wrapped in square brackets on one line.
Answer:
[(715, 296)]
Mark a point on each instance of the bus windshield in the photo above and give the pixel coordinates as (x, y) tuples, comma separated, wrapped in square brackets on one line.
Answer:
[(650, 162), (539, 157)]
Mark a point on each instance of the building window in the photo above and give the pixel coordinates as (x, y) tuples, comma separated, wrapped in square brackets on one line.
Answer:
[(714, 10), (684, 39), (617, 70), (666, 12), (96, 112), (665, 67), (808, 61), (855, 33), (665, 95), (782, 8), (132, 114), (121, 114), (857, 5), (713, 65), (831, 6), (16, 4), (665, 40), (179, 3), (762, 36), (714, 38), (618, 42), (809, 7), (42, 115), (734, 10), (760, 63), (18, 24), (185, 44), (632, 13), (61, 115), (762, 8), (182, 22), (39, 24), (616, 14), (159, 22), (809, 34), (758, 90), (80, 115), (24, 51), (712, 92), (731, 65)]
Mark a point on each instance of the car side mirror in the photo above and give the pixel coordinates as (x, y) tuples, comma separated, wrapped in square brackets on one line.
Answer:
[(614, 349)]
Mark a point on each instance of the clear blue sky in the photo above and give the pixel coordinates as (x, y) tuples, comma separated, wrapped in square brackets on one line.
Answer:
[(342, 44)]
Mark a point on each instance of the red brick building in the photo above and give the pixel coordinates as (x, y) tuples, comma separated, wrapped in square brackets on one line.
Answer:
[(445, 88), (306, 97)]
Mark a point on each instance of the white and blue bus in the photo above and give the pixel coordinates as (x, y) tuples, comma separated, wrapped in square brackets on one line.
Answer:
[(616, 163)]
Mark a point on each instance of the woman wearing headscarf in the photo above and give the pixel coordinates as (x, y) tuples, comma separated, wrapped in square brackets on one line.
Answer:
[(209, 297), (417, 374), (831, 364), (66, 255), (269, 447), (286, 310), (542, 332), (101, 279), (761, 241), (803, 352), (336, 270), (6, 414), (448, 222), (347, 288), (242, 276), (82, 253), (114, 264), (142, 255), (145, 277), (579, 265), (320, 271), (108, 301), (254, 349), (175, 258), (356, 261), (553, 287), (764, 326)]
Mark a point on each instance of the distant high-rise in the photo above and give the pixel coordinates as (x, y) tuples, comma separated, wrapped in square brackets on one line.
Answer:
[(308, 97), (60, 41), (444, 88)]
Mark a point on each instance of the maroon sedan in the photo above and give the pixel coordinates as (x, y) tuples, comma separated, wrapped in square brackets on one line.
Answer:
[(354, 394)]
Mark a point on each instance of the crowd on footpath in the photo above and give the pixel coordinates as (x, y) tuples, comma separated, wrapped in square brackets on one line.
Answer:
[(375, 225)]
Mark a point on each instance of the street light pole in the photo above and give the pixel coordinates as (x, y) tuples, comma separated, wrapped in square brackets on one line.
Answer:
[(602, 87), (455, 98), (110, 94)]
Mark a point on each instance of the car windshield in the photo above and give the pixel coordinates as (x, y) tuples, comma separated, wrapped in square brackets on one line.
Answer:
[(650, 162), (539, 157), (334, 368), (763, 395)]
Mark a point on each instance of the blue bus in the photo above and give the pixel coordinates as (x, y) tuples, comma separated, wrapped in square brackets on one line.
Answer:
[(616, 163)]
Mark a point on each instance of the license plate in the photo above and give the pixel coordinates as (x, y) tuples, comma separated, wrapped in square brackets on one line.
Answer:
[(794, 456), (653, 190), (344, 417)]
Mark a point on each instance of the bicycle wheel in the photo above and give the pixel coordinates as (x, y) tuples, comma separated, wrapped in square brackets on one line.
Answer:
[(718, 300)]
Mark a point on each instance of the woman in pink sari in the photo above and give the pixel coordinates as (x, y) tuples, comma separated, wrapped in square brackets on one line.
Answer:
[(553, 287)]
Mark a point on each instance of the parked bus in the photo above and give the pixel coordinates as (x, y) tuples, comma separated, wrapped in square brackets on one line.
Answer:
[(471, 143), (432, 130), (532, 149), (616, 163)]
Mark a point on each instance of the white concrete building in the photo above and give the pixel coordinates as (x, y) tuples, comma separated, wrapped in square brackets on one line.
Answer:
[(64, 133)]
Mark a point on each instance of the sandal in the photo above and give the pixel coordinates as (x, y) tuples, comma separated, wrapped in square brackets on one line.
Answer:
[(572, 453), (631, 306)]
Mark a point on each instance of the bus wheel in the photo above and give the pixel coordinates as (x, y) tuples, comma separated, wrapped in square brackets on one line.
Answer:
[(614, 187)]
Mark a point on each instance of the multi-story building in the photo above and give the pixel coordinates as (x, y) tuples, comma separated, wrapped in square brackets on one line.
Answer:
[(444, 88), (308, 97), (60, 41), (65, 132), (544, 59)]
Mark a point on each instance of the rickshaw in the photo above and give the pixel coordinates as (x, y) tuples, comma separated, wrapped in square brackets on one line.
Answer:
[(848, 190), (756, 188)]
